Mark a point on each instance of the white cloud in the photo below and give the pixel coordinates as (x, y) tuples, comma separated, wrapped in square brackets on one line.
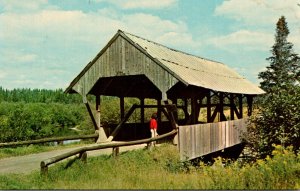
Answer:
[(141, 4), (260, 12), (181, 41), (2, 74), (73, 27), (16, 58), (172, 34), (26, 58), (257, 22), (243, 39), (22, 6), (51, 40)]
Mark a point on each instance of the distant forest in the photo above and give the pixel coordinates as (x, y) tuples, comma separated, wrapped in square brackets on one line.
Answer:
[(38, 96), (27, 114)]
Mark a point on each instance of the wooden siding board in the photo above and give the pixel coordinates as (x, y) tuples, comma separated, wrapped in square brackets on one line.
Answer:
[(120, 57), (197, 141), (189, 137), (201, 139), (207, 140), (180, 137), (223, 132), (194, 142), (185, 143), (211, 142)]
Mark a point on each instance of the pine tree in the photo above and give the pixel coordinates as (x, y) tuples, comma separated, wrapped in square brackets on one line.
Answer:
[(279, 119), (284, 69)]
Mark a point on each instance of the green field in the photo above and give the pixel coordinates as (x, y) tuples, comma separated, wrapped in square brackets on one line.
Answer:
[(162, 169)]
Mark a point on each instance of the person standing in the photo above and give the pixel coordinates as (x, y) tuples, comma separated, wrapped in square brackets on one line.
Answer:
[(153, 127)]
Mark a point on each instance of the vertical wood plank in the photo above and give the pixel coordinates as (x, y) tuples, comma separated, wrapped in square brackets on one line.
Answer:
[(98, 111), (241, 105), (231, 98), (208, 107), (142, 102), (159, 111)]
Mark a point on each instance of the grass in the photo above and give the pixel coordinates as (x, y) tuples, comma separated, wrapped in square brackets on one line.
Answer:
[(162, 169)]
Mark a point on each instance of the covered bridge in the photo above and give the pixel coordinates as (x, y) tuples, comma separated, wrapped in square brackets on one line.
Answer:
[(131, 66)]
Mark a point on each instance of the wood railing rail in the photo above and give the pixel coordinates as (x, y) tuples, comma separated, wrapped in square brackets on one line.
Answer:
[(83, 155), (45, 140)]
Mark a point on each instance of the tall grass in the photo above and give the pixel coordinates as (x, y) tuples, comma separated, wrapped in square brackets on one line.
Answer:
[(162, 169)]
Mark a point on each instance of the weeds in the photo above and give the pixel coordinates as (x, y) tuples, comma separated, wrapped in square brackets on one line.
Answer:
[(162, 169)]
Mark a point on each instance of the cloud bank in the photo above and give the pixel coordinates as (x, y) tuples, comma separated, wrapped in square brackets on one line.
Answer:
[(45, 45)]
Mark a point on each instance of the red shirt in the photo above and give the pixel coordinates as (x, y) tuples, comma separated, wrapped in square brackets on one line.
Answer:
[(153, 124)]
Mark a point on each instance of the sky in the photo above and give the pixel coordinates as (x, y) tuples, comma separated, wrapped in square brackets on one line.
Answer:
[(45, 44)]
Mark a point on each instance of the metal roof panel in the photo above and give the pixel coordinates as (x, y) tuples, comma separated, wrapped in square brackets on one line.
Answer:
[(197, 71)]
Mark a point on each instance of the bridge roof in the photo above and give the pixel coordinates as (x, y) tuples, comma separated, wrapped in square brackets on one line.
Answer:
[(187, 68)]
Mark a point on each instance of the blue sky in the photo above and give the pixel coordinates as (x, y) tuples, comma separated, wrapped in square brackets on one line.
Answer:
[(46, 43)]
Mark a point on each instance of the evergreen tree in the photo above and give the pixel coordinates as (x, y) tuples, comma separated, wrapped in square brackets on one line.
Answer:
[(279, 119), (284, 69)]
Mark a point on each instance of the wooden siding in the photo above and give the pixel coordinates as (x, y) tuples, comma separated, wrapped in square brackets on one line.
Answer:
[(202, 139), (122, 58)]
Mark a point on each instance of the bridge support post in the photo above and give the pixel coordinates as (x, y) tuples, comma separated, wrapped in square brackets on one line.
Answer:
[(159, 112), (249, 103), (240, 96), (194, 117), (122, 108), (102, 136), (208, 102), (172, 109), (232, 106), (221, 102), (142, 103)]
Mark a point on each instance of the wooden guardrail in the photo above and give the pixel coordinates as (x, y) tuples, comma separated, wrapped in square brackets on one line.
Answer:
[(45, 140), (83, 155)]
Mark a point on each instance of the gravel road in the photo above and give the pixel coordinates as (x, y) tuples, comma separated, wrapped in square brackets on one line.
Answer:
[(28, 163)]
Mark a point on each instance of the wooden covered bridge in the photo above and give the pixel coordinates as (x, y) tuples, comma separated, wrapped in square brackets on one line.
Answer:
[(131, 66)]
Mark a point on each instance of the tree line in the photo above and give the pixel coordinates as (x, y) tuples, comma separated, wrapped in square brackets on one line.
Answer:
[(27, 114), (21, 121), (28, 95)]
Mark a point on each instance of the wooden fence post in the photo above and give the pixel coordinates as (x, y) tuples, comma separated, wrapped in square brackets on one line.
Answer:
[(115, 151), (83, 157), (60, 142), (44, 169)]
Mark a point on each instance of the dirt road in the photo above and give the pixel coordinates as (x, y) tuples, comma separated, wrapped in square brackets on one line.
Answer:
[(28, 163)]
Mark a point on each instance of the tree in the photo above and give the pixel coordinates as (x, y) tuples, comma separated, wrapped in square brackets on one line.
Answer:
[(278, 121), (284, 69)]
